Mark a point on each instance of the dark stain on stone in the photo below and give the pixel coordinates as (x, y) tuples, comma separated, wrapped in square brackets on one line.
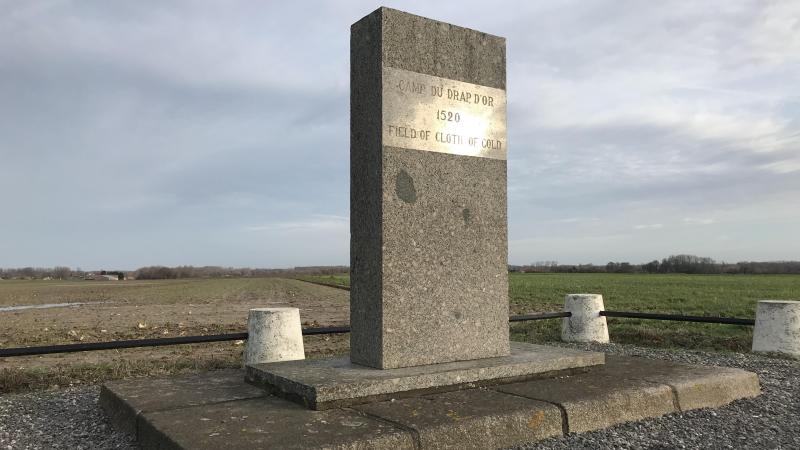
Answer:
[(404, 186), (467, 214)]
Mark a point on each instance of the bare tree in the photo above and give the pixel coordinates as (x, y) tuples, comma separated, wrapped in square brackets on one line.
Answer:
[(61, 272)]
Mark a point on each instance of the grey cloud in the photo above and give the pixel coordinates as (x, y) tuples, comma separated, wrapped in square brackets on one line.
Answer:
[(217, 133)]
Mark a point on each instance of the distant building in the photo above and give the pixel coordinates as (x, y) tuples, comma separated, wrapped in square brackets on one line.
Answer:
[(98, 277)]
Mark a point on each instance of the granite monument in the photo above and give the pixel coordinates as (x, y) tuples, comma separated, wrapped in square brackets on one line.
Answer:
[(429, 314), (428, 243)]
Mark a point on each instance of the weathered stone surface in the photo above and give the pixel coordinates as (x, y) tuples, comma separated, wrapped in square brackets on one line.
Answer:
[(273, 334), (176, 414), (592, 401), (695, 386), (777, 327), (630, 388), (715, 387), (471, 419), (264, 423), (123, 401), (428, 230), (441, 49), (366, 191), (586, 324), (333, 382)]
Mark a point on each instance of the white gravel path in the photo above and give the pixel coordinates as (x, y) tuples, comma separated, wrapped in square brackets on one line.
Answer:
[(71, 419)]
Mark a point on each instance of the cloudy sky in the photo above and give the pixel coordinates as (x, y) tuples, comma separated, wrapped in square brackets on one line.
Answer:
[(204, 132)]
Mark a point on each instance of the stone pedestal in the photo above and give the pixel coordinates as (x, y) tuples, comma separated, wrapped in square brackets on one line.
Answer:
[(336, 382), (777, 327), (274, 334), (428, 241), (218, 410), (586, 324)]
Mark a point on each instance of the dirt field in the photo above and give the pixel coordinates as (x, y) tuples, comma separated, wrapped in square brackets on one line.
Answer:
[(147, 309), (138, 309)]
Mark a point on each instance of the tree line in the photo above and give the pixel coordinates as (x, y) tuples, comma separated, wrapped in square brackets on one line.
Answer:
[(167, 273), (689, 264), (56, 273)]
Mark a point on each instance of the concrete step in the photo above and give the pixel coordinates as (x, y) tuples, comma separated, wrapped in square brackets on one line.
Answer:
[(219, 410)]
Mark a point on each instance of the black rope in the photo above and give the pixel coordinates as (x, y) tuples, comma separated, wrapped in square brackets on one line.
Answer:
[(322, 283), (325, 330), (542, 316), (159, 342), (679, 318), (88, 346)]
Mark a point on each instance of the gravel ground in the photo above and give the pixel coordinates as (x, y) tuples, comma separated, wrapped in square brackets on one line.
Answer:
[(58, 419), (71, 419)]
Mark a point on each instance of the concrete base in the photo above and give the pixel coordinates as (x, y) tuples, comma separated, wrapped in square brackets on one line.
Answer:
[(777, 327), (586, 324), (336, 382), (273, 334), (219, 410)]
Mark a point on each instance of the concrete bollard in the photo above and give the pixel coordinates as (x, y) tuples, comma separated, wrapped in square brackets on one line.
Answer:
[(777, 327), (586, 323), (274, 334)]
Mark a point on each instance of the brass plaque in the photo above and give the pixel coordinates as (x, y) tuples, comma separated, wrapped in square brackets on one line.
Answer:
[(423, 112)]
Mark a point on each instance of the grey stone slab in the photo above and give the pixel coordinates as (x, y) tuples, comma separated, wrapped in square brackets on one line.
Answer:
[(266, 423), (695, 386), (334, 382), (632, 388), (471, 419), (592, 401), (428, 230), (176, 413), (124, 400)]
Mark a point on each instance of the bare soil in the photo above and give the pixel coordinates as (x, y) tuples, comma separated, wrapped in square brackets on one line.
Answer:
[(148, 309)]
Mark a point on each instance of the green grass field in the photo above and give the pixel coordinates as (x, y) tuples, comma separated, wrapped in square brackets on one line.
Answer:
[(702, 295)]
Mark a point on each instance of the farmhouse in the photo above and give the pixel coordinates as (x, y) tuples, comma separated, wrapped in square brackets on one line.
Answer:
[(99, 277)]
